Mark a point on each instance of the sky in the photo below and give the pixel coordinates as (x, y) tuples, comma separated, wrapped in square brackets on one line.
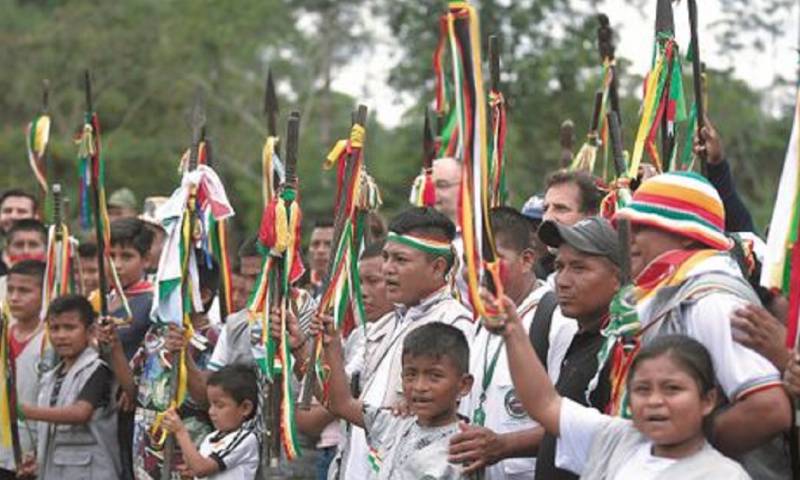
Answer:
[(366, 77)]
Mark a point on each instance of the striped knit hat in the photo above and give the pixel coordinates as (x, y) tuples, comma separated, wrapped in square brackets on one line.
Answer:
[(683, 203)]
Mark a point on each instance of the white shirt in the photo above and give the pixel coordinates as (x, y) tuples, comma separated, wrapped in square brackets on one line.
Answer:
[(503, 409), (236, 452), (384, 387)]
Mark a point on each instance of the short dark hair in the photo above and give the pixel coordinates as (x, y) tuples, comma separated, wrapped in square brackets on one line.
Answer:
[(439, 340), (513, 226), (16, 192), (87, 249), (31, 268), (373, 250), (28, 225), (591, 196), (131, 232), (72, 303), (689, 354), (239, 381), (426, 221), (209, 275), (322, 223)]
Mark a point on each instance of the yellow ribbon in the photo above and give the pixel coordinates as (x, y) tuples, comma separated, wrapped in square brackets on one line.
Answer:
[(357, 136)]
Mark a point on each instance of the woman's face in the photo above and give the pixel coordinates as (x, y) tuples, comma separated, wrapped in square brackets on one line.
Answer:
[(668, 407)]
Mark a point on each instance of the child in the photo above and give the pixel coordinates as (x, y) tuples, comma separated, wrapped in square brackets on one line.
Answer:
[(130, 244), (77, 433), (232, 450), (90, 274), (435, 375), (146, 377), (672, 391), (28, 349)]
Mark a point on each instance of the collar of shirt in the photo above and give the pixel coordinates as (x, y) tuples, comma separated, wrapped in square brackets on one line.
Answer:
[(404, 313)]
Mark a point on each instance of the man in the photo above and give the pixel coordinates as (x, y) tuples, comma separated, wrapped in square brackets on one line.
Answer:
[(122, 204), (15, 205), (319, 249), (687, 282), (570, 196), (417, 257), (533, 210), (501, 435), (446, 180)]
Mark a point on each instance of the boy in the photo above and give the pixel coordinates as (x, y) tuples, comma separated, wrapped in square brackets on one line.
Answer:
[(231, 452), (90, 274), (130, 243), (28, 349), (435, 376), (147, 377), (27, 240), (77, 433)]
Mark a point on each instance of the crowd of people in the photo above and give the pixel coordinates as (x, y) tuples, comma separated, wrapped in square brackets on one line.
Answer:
[(683, 374)]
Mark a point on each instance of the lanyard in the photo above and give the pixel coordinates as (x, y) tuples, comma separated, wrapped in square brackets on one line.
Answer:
[(479, 415)]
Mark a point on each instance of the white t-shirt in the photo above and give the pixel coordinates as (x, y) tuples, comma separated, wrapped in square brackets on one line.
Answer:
[(578, 427), (235, 452)]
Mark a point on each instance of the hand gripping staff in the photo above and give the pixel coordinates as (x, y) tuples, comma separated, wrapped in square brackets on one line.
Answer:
[(356, 196)]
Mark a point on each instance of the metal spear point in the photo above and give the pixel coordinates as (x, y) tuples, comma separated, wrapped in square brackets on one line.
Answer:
[(665, 21), (197, 121)]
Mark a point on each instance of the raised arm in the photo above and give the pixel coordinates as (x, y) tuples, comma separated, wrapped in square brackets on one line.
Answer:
[(340, 400), (199, 465), (531, 382), (107, 335)]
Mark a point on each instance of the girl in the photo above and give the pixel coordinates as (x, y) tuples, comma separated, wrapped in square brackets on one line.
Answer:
[(671, 392), (232, 450)]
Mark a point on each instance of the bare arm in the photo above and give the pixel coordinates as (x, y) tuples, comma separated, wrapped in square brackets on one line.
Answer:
[(107, 335), (476, 447), (752, 421), (176, 340), (313, 421), (531, 382), (340, 402), (78, 413), (199, 465)]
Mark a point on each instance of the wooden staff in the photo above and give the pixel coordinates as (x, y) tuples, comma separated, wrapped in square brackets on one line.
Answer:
[(340, 220), (697, 77), (605, 44), (665, 24)]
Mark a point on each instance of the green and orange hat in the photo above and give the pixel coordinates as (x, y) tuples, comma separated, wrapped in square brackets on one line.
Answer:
[(683, 203)]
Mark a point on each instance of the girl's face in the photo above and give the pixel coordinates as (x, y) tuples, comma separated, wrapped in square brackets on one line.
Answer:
[(226, 413), (668, 407)]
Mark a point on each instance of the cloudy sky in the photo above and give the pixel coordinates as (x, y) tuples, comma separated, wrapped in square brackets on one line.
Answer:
[(366, 78)]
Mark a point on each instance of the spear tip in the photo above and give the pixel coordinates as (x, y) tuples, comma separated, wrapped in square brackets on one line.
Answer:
[(665, 20), (271, 104)]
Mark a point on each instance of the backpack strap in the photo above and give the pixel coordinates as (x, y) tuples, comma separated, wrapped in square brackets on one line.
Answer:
[(539, 333)]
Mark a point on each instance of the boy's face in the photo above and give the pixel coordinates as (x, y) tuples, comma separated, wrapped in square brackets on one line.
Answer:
[(432, 387), (410, 275), (26, 244), (24, 295), (90, 273), (129, 263), (225, 412), (373, 288), (68, 333)]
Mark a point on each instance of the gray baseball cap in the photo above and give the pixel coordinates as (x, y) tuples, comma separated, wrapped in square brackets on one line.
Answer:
[(593, 236)]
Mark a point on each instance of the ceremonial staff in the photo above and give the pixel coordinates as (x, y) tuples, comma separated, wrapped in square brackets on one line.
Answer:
[(605, 44), (498, 192), (58, 277), (587, 155), (423, 191), (665, 27), (37, 137), (697, 78), (197, 121)]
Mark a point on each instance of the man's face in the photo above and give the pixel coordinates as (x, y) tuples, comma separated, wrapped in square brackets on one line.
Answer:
[(320, 249), (129, 263), (373, 288), (90, 273), (562, 203), (447, 178), (647, 243), (410, 274), (68, 334), (516, 268), (25, 244), (585, 284), (13, 209), (24, 295)]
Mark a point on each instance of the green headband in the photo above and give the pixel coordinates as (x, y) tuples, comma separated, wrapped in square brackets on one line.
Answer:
[(426, 245)]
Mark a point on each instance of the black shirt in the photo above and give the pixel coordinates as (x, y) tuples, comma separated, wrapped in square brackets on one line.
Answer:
[(577, 370)]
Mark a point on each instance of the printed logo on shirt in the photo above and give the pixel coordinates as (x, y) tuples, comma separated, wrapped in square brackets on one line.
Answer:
[(514, 407)]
